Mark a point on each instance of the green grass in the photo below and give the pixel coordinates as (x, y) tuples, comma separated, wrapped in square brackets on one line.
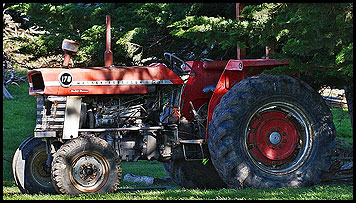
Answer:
[(19, 117), (319, 192), (343, 124)]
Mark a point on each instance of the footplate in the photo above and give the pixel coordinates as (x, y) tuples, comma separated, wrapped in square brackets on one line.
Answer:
[(191, 149)]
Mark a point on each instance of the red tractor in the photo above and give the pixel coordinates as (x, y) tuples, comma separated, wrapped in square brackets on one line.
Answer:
[(213, 124)]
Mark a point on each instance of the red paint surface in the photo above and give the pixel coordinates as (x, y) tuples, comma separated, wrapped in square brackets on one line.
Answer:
[(157, 72)]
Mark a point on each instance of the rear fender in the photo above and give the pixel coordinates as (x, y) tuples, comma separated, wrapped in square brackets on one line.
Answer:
[(234, 72)]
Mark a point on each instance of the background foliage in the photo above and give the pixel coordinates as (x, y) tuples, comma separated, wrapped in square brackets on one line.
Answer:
[(316, 37), (139, 30)]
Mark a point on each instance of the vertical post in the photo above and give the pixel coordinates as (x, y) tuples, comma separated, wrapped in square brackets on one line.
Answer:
[(66, 59), (108, 52), (69, 47), (241, 53), (269, 49)]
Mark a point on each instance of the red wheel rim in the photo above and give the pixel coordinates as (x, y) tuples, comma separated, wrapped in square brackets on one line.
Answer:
[(278, 138), (274, 136)]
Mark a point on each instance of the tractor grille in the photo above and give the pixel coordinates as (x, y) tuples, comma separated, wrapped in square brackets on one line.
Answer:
[(50, 115)]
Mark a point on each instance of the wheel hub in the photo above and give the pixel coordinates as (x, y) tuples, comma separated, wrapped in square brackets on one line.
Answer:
[(89, 172), (40, 172), (275, 138)]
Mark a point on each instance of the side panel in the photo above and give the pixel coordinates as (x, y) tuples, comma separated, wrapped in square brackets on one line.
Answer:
[(99, 80), (72, 117), (207, 74)]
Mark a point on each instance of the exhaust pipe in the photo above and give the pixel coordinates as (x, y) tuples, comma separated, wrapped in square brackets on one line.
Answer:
[(69, 47), (108, 52)]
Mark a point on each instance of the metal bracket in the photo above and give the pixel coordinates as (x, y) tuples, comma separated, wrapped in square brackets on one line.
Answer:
[(72, 117), (198, 142)]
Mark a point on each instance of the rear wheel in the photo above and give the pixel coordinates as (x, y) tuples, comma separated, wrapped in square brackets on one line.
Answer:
[(271, 131)]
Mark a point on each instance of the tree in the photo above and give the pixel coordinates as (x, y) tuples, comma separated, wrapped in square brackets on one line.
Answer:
[(139, 30)]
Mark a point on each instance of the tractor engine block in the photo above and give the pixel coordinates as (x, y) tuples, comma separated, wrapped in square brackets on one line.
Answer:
[(132, 124)]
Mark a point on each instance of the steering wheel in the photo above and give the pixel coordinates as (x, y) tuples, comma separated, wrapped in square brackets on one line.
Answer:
[(177, 65)]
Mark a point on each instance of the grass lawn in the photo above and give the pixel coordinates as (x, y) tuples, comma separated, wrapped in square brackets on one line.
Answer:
[(19, 117)]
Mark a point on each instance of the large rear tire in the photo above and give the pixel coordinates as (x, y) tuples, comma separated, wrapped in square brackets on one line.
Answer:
[(86, 164), (271, 131)]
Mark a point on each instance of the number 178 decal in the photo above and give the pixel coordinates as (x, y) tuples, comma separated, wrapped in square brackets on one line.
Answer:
[(65, 79)]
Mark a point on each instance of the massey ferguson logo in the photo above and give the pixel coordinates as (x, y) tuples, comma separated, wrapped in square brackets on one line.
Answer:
[(65, 79)]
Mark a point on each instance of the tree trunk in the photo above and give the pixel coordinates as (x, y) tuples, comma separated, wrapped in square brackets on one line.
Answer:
[(348, 94)]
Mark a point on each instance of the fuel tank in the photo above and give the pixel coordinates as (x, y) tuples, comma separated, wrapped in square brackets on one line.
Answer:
[(100, 80)]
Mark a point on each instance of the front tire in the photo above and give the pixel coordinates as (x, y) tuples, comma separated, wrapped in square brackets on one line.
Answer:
[(86, 164), (271, 131), (30, 171)]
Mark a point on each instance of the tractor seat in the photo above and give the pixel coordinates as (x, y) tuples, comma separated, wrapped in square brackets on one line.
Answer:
[(210, 88)]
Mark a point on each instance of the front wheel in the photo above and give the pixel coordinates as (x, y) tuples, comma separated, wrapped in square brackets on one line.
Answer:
[(271, 131), (31, 172), (86, 164)]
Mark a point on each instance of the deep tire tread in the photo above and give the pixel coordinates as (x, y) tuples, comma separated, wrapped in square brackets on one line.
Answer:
[(232, 162), (67, 151)]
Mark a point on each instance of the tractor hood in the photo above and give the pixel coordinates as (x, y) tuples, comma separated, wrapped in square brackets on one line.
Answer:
[(100, 80)]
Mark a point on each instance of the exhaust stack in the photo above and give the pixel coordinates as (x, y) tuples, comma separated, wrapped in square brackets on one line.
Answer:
[(108, 52), (69, 47)]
